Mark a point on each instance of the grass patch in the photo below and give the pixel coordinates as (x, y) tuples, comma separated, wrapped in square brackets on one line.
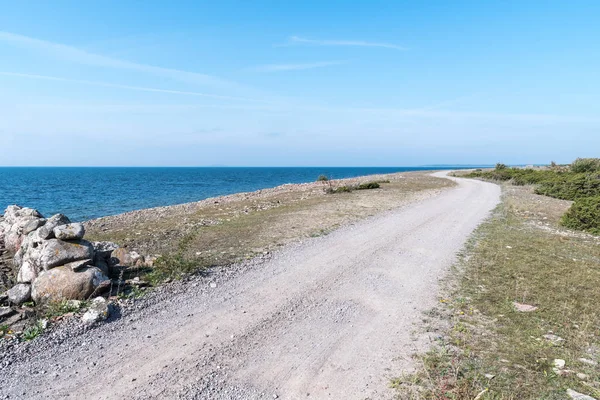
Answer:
[(33, 331), (58, 308), (4, 330), (351, 188), (509, 260)]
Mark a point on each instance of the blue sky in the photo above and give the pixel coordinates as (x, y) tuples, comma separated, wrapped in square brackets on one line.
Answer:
[(240, 83)]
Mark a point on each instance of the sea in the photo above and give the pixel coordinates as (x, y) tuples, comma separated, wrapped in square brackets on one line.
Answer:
[(84, 193)]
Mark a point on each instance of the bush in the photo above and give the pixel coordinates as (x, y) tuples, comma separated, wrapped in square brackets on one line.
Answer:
[(322, 178), (569, 186), (368, 185), (584, 215), (348, 189), (500, 166), (586, 165)]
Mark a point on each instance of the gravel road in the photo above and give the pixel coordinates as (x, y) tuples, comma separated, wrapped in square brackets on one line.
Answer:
[(330, 318)]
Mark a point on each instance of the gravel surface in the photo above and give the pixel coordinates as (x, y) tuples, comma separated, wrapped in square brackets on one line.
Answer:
[(331, 317)]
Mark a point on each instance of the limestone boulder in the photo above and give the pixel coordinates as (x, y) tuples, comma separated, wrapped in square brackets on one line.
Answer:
[(104, 250), (55, 252), (127, 258), (27, 272), (20, 293), (47, 230), (32, 225), (62, 283), (69, 231), (14, 213)]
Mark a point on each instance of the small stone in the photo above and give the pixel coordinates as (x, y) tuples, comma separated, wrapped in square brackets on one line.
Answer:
[(213, 285), (524, 307), (275, 396), (578, 396), (98, 311), (558, 363), (490, 376), (582, 376), (553, 338), (587, 361)]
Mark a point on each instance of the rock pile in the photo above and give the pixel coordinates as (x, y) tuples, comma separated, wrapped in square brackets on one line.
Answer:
[(53, 259)]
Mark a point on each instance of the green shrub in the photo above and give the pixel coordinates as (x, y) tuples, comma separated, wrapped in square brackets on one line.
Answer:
[(322, 178), (348, 189), (586, 165), (584, 215), (341, 189), (500, 166), (570, 186), (368, 185)]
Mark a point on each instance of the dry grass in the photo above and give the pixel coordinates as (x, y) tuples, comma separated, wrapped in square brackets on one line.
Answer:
[(518, 255), (220, 232)]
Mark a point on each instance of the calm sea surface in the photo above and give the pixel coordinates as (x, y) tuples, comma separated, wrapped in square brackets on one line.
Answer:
[(85, 193)]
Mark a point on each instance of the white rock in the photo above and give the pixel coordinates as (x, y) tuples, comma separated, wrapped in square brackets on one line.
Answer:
[(69, 231), (558, 363), (587, 361), (578, 396), (98, 311), (524, 307), (19, 293), (555, 339)]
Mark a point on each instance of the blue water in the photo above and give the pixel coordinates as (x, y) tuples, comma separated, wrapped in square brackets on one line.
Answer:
[(85, 193)]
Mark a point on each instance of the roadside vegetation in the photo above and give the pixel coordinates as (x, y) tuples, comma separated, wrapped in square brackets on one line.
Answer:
[(519, 316), (578, 182), (223, 231)]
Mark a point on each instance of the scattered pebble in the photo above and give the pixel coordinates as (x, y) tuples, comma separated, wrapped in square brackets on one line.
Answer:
[(524, 307)]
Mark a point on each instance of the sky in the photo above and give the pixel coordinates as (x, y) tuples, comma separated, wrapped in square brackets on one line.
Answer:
[(298, 83)]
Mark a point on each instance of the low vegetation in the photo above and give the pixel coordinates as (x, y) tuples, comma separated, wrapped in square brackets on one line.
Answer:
[(58, 308), (578, 182), (519, 316), (584, 214), (219, 232), (322, 178), (350, 188), (33, 331)]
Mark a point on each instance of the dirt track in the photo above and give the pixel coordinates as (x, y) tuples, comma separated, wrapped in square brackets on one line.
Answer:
[(328, 319)]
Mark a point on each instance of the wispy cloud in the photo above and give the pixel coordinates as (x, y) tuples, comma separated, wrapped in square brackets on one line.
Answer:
[(295, 67), (76, 55), (127, 87), (297, 40)]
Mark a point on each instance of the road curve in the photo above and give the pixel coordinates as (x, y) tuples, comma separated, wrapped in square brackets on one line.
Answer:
[(329, 319)]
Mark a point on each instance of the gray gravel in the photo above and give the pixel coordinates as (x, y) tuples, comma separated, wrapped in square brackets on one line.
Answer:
[(332, 317)]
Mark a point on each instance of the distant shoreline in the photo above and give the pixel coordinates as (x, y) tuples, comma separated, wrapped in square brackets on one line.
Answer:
[(86, 193)]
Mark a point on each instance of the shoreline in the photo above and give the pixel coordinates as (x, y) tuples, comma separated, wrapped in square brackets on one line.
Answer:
[(266, 192), (120, 190), (226, 229)]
